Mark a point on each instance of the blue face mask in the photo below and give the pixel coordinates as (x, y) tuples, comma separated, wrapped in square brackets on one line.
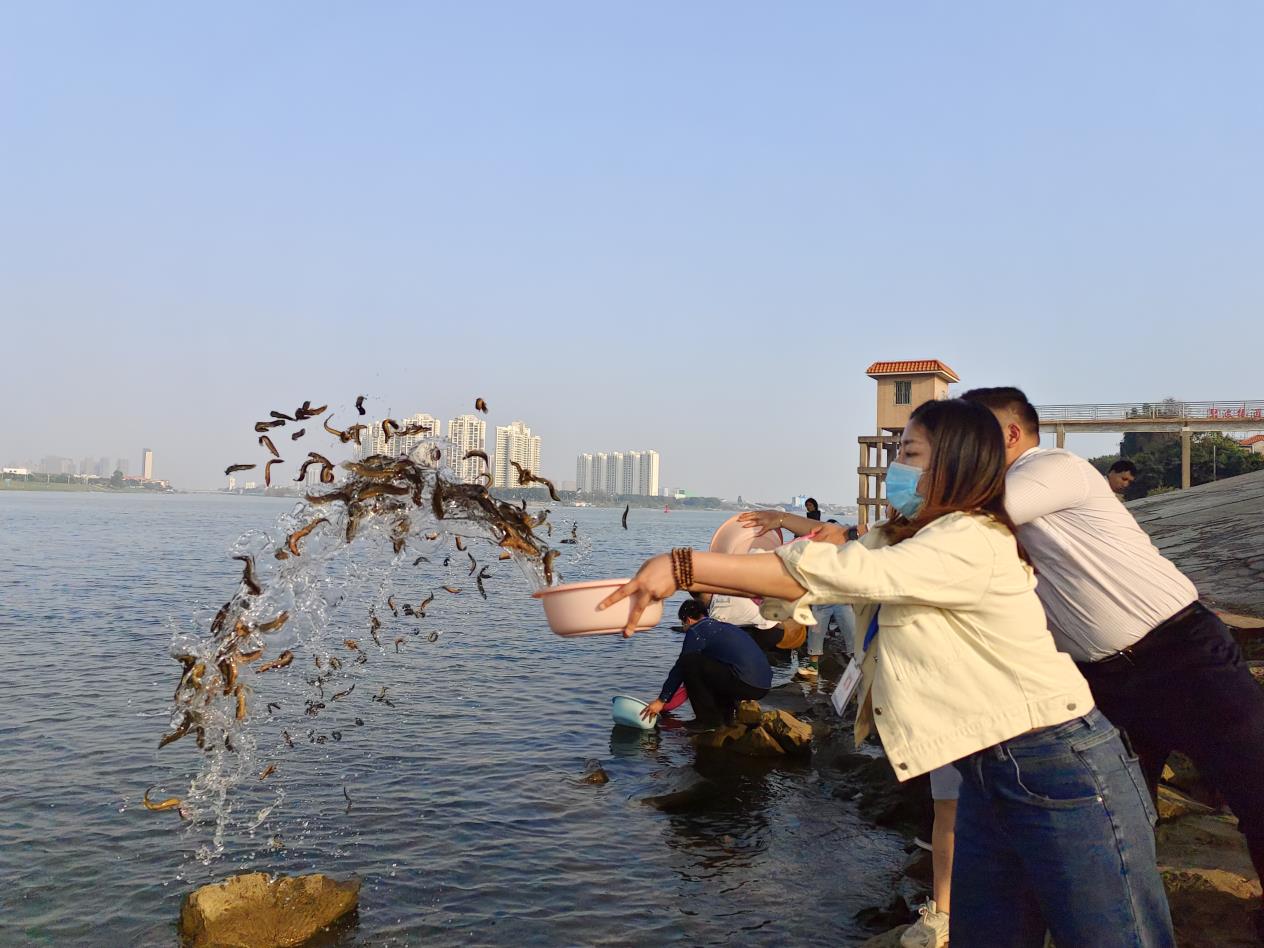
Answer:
[(902, 488)]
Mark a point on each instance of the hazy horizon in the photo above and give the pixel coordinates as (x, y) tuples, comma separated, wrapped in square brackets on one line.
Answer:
[(688, 229)]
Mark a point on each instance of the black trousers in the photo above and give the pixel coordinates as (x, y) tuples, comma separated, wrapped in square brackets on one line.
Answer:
[(714, 688), (1187, 688)]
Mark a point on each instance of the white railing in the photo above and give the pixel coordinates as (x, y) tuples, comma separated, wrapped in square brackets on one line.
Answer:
[(1166, 409)]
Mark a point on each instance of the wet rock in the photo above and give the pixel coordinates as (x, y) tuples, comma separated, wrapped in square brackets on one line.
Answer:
[(689, 796), (720, 736), (787, 697), (757, 742), (1210, 881), (1257, 669), (255, 910), (895, 913), (1173, 804), (794, 736), (594, 773), (748, 713)]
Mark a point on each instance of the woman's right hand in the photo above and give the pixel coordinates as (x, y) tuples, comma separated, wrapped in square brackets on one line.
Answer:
[(765, 521), (653, 582)]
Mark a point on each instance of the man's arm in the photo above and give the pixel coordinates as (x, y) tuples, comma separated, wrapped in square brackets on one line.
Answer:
[(1042, 485)]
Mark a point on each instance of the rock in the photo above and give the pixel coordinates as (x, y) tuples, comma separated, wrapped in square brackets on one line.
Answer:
[(254, 910), (1173, 804), (757, 742), (1181, 773), (720, 736), (1210, 881), (794, 736), (748, 713), (1257, 669), (595, 774), (889, 939), (695, 794)]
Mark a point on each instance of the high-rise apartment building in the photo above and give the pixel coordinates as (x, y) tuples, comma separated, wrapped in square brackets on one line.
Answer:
[(124, 465), (467, 433), (584, 474), (619, 472), (374, 441), (514, 442), (147, 464)]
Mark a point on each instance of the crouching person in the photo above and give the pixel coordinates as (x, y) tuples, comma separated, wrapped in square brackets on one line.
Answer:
[(719, 665)]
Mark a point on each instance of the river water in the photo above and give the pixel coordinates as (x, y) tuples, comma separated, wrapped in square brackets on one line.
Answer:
[(468, 822)]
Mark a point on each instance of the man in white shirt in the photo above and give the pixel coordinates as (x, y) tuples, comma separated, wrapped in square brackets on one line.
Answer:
[(1162, 667)]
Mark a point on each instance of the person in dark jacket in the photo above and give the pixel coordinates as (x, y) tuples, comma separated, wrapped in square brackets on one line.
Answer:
[(719, 665), (813, 508)]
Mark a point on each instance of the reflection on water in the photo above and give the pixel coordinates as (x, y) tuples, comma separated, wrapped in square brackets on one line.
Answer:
[(468, 824)]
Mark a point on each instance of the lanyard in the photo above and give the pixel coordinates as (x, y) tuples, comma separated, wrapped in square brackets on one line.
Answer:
[(872, 631)]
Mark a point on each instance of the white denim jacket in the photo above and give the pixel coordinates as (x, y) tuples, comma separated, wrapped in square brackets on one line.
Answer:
[(963, 658)]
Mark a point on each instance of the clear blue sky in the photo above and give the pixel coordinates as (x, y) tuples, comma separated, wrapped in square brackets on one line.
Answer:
[(680, 226)]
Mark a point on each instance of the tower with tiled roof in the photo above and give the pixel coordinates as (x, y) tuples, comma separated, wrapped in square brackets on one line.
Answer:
[(902, 386)]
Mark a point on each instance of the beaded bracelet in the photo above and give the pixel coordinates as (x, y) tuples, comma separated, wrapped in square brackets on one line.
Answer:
[(682, 567)]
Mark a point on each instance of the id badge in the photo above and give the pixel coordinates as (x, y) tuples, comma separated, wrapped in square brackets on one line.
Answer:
[(846, 687)]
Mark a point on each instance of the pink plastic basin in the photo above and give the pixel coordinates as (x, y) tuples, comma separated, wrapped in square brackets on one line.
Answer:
[(571, 609), (733, 537)]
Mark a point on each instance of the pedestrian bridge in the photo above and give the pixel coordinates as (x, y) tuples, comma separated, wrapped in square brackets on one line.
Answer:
[(1167, 415)]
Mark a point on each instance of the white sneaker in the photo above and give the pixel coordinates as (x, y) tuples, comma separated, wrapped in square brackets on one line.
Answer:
[(929, 931)]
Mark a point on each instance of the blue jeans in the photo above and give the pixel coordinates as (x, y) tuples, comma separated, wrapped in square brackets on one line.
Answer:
[(843, 615), (1055, 830)]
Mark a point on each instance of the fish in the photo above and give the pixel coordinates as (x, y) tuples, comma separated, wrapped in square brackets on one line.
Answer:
[(327, 474), (452, 589), (373, 627), (390, 604), (273, 706), (626, 508), (298, 434), (473, 564), (335, 662), (460, 544), (505, 555), (228, 670), (281, 416), (421, 559), (281, 661), (267, 471), (355, 432), (293, 539), (241, 703), (525, 477), (248, 575), (432, 536), (415, 429), (344, 789), (547, 561), (475, 453), (239, 467), (302, 470), (263, 427), (360, 405), (397, 642), (248, 657), (342, 694), (267, 772), (170, 803), (389, 427), (480, 405), (351, 644), (478, 581), (336, 735), (381, 698), (273, 624), (266, 442), (314, 708), (221, 617), (433, 637), (289, 741), (178, 733), (340, 435), (421, 607), (320, 459), (306, 411)]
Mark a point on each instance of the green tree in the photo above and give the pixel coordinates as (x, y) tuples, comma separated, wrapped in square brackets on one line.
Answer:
[(1212, 456), (116, 480)]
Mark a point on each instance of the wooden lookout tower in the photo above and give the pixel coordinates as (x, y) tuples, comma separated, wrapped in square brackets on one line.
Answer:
[(902, 386)]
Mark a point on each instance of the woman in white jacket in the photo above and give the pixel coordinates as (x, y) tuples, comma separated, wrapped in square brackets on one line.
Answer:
[(1054, 825)]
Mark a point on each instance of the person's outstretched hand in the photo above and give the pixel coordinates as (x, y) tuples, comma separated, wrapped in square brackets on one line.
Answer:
[(651, 709), (765, 521), (653, 582)]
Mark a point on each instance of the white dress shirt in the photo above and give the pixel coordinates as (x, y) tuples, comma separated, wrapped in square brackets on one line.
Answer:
[(1102, 582), (738, 611)]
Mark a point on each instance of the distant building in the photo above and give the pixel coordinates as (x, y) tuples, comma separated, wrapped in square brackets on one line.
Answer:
[(147, 464), (14, 470), (1254, 443), (633, 473), (124, 465), (584, 474), (467, 433), (232, 482), (514, 442)]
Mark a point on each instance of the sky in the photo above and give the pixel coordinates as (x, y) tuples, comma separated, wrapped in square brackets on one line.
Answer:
[(686, 227)]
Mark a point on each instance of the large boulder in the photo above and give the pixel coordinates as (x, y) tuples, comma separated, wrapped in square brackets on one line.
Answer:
[(720, 736), (256, 910), (749, 713), (757, 742), (1210, 882), (794, 736), (1173, 804), (1180, 772)]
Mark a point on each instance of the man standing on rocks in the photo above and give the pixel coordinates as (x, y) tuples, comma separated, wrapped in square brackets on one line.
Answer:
[(1162, 667)]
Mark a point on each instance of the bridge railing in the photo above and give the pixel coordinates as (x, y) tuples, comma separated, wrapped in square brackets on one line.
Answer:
[(1166, 409)]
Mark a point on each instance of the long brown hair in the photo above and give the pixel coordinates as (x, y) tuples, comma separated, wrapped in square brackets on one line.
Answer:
[(967, 466)]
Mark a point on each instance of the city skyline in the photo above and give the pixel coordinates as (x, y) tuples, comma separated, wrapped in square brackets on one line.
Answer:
[(634, 473)]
